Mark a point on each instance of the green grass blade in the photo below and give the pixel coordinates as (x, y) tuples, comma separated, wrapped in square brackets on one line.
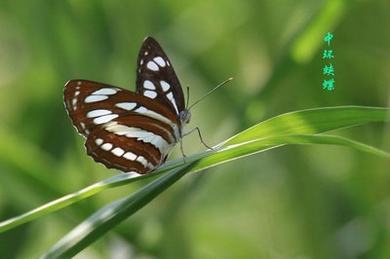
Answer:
[(205, 160), (253, 141), (312, 121), (65, 201), (259, 145), (110, 216)]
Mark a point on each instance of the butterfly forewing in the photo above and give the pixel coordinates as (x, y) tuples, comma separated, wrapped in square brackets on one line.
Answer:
[(124, 130), (156, 78), (91, 104)]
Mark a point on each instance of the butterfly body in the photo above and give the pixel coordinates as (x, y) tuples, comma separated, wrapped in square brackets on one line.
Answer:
[(131, 131)]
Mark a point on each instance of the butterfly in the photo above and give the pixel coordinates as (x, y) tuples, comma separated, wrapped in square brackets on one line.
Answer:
[(131, 131)]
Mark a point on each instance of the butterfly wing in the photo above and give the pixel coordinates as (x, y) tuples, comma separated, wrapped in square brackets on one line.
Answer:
[(124, 130), (156, 78)]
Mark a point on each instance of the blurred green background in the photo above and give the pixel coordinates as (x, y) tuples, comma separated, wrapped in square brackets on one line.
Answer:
[(292, 202)]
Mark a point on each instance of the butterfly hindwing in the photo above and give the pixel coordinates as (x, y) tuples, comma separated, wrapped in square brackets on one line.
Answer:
[(122, 152), (156, 77)]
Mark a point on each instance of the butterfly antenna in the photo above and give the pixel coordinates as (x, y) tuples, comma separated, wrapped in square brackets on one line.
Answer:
[(211, 91)]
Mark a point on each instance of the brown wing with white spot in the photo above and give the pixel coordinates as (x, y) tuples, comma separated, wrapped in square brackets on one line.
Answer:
[(127, 148), (124, 130), (91, 104), (156, 78)]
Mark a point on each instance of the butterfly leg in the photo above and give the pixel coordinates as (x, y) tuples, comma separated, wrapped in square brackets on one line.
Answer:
[(200, 137), (182, 150)]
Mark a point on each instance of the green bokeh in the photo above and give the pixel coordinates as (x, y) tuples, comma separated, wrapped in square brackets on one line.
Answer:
[(293, 202)]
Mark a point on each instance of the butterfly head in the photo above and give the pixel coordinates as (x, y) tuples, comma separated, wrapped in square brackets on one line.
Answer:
[(185, 116)]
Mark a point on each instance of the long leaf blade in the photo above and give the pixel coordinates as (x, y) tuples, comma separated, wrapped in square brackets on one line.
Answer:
[(300, 122), (312, 121), (113, 214)]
